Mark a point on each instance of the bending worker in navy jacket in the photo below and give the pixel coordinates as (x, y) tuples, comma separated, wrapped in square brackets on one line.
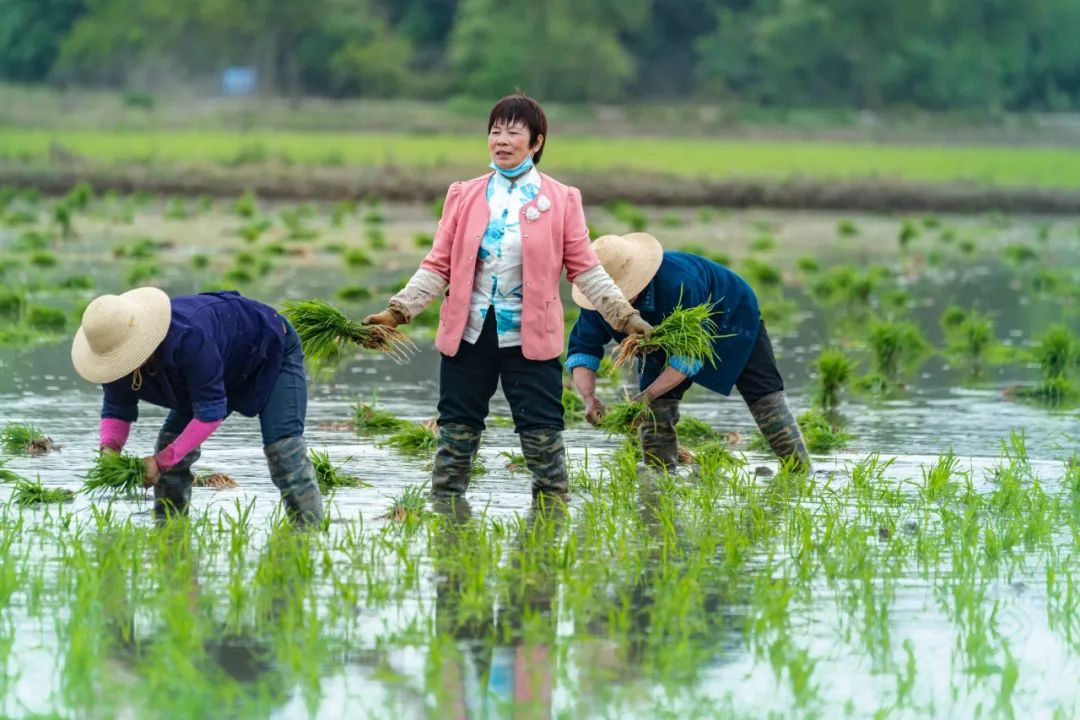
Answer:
[(656, 282), (202, 357)]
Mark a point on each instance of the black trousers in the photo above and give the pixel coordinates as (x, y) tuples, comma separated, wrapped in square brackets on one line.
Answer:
[(468, 380), (759, 378)]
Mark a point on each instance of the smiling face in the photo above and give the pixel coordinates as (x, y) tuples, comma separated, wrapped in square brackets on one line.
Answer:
[(509, 143)]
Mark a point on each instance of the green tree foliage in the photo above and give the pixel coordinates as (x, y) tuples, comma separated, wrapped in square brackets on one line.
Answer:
[(984, 56)]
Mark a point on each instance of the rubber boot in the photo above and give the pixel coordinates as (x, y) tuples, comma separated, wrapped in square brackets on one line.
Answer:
[(781, 431), (454, 459), (172, 494), (545, 456), (659, 439), (294, 475)]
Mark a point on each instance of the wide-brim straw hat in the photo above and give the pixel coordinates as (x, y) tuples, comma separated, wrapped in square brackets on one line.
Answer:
[(631, 260), (119, 333)]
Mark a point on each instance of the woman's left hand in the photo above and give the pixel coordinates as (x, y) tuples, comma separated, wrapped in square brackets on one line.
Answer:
[(152, 472)]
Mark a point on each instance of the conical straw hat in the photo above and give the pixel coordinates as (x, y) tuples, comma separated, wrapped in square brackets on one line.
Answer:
[(631, 260), (119, 333)]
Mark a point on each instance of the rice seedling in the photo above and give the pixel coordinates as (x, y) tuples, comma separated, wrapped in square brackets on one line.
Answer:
[(253, 230), (671, 220), (341, 212), (821, 434), (1058, 353), (28, 493), (42, 259), (238, 276), (624, 418), (376, 239), (12, 304), (410, 507), (246, 205), (895, 345), (176, 209), (295, 222), (969, 337), (909, 231), (763, 243), (355, 257), (45, 319), (629, 214), (23, 437), (76, 282), (325, 332), (331, 476), (7, 474), (835, 369), (808, 264), (687, 333), (143, 272), (846, 228), (370, 420), (200, 261), (761, 275), (515, 461), (414, 439), (353, 293), (374, 215), (1018, 254), (694, 431), (80, 196), (423, 240), (115, 471)]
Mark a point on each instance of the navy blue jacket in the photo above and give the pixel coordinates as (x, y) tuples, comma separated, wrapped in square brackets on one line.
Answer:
[(690, 280), (222, 353)]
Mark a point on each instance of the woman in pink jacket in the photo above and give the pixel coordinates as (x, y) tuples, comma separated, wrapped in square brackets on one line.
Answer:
[(501, 246)]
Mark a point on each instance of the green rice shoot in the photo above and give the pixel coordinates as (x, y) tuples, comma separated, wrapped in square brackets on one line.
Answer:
[(331, 476), (115, 471), (694, 431), (31, 492), (624, 418), (7, 474), (326, 333), (370, 420), (414, 439), (688, 333), (821, 435), (22, 437)]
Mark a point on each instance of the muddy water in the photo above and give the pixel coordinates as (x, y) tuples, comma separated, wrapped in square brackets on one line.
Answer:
[(941, 411)]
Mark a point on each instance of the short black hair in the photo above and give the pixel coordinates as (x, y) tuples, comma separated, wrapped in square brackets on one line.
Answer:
[(520, 107)]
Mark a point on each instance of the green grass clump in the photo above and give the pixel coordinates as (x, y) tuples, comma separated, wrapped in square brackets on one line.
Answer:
[(370, 420), (693, 431), (7, 474), (414, 439), (834, 371), (31, 492), (325, 332), (23, 437), (45, 319), (353, 293), (1057, 353), (686, 333), (246, 205), (42, 259), (116, 471), (625, 417), (895, 345), (355, 257), (331, 476), (969, 336), (251, 231)]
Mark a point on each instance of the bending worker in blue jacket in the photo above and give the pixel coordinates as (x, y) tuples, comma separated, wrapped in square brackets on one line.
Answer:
[(202, 357), (656, 282)]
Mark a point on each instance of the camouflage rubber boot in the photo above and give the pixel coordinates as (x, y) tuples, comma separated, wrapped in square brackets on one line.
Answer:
[(659, 440), (781, 431), (545, 456), (453, 459), (294, 475), (172, 494)]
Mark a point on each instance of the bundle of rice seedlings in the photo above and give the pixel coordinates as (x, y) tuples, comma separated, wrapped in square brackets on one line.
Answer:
[(330, 475), (28, 493), (22, 437), (325, 332), (410, 507), (693, 431), (514, 460), (116, 471), (573, 405), (821, 435), (218, 481), (687, 333), (624, 418), (7, 474), (414, 439), (370, 420)]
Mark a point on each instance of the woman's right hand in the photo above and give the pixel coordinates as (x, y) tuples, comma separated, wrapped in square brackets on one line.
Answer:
[(386, 317)]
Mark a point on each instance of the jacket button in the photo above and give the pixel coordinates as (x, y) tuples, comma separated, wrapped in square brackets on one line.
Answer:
[(525, 235)]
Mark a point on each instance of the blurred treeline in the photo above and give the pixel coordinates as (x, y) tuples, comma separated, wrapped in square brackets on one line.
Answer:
[(966, 55)]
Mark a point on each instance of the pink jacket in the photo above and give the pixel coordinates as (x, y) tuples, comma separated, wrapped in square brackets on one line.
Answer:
[(558, 238)]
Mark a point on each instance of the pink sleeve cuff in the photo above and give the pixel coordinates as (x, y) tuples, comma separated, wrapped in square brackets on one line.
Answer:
[(192, 437), (113, 433)]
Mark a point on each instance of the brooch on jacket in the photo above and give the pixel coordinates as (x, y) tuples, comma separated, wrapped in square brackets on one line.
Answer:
[(542, 205)]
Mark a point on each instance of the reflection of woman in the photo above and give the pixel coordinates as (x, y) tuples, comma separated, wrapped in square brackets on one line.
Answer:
[(501, 246), (203, 357)]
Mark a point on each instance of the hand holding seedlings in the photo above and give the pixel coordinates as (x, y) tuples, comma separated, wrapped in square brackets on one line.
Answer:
[(152, 472)]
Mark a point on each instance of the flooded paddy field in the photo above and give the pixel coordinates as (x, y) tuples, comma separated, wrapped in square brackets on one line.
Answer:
[(927, 567)]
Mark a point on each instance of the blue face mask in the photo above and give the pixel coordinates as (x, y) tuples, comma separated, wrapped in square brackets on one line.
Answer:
[(525, 166)]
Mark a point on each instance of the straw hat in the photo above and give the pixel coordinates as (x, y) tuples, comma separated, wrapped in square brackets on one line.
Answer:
[(119, 333), (631, 260)]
